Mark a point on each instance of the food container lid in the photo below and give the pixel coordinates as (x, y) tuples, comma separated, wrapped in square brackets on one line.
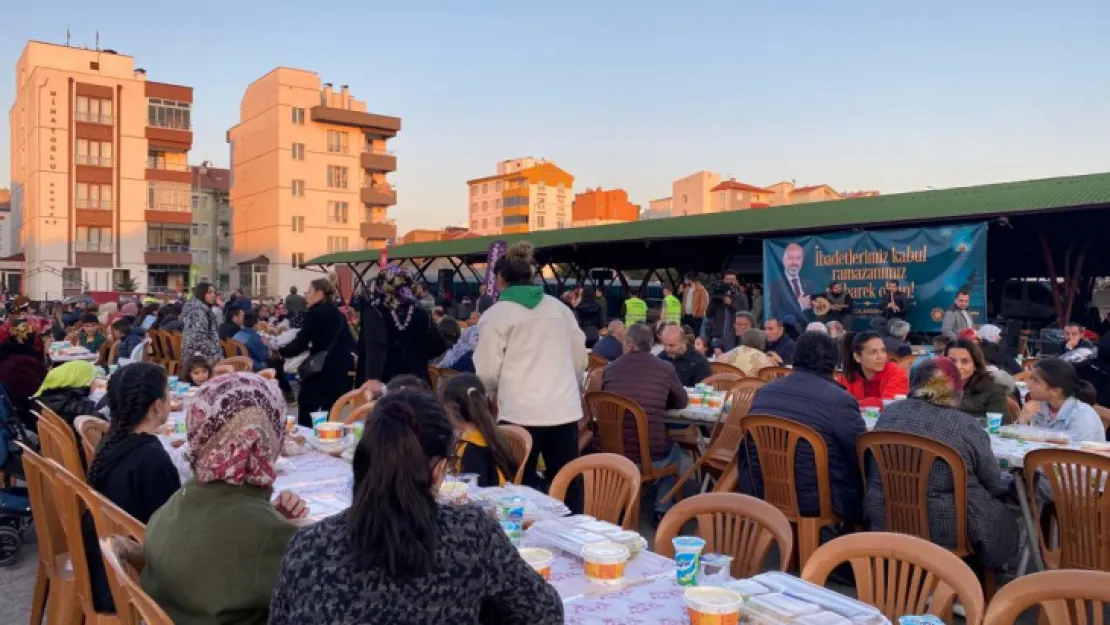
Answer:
[(579, 519), (688, 543), (536, 557), (605, 553), (626, 537), (713, 600)]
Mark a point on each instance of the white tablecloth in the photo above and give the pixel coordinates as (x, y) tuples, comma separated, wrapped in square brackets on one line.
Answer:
[(82, 354)]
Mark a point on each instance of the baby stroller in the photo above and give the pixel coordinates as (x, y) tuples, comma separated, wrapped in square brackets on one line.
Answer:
[(15, 504)]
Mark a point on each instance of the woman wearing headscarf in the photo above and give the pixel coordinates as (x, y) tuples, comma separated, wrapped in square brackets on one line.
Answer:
[(461, 355), (990, 341), (325, 331), (65, 390), (930, 411), (200, 330), (22, 366), (213, 550), (411, 340)]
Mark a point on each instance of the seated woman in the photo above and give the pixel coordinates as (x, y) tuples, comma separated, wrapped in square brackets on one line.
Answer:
[(748, 356), (1052, 402), (461, 355), (213, 551), (131, 467), (994, 352), (981, 394), (65, 390), (396, 556), (22, 366), (481, 449), (930, 411), (867, 373)]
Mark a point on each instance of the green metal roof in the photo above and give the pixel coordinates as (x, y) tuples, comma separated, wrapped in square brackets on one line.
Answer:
[(957, 204)]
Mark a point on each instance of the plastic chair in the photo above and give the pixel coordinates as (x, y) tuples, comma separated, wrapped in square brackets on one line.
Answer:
[(723, 381), (173, 354), (92, 430), (771, 374), (113, 353), (1062, 596), (520, 446), (729, 479), (233, 348), (347, 401), (60, 445), (1104, 414), (240, 364), (55, 594), (776, 442), (358, 414), (123, 558), (716, 368), (1029, 363), (733, 524), (901, 574), (611, 484), (1077, 479), (157, 351), (596, 362), (219, 370)]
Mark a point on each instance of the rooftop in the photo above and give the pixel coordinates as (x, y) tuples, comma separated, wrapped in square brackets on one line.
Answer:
[(732, 185)]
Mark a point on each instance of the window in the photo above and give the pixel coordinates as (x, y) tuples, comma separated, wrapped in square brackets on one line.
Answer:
[(298, 151), (485, 187), (94, 196), (298, 116), (474, 189), (540, 187), (337, 244), (498, 222), (167, 238), (298, 260), (497, 204), (169, 196), (121, 276), (516, 201), (539, 221), (298, 188), (483, 205), (93, 110), (298, 224), (497, 186), (169, 114), (517, 220), (485, 224), (93, 240), (200, 257), (201, 230), (337, 142), (337, 177), (96, 153), (337, 212), (71, 278), (474, 224), (473, 206)]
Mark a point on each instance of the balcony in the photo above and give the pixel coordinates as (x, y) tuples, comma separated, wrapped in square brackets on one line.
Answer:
[(154, 162), (382, 125), (105, 119), (386, 230), (168, 255), (93, 246), (170, 136), (93, 161), (378, 160), (91, 204), (379, 195)]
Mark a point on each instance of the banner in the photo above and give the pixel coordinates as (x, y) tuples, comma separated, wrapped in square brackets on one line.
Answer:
[(930, 265), (496, 250)]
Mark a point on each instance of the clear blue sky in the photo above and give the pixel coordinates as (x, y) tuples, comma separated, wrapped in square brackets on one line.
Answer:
[(890, 95)]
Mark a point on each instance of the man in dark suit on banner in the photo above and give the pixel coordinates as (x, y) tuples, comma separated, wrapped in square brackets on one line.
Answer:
[(791, 297)]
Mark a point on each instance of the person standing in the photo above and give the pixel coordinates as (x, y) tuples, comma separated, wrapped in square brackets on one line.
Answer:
[(672, 306), (532, 354), (894, 303), (294, 303), (591, 318), (695, 302), (485, 300), (200, 333), (411, 338), (958, 317), (757, 304), (635, 310), (325, 331)]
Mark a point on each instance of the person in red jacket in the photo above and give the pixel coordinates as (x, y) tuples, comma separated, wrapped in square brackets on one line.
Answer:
[(868, 374)]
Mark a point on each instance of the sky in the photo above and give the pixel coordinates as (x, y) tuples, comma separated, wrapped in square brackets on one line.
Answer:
[(894, 96)]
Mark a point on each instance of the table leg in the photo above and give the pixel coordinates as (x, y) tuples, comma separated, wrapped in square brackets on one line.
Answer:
[(1027, 518)]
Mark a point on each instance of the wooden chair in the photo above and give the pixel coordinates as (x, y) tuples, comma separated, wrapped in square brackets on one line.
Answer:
[(1076, 479), (60, 444), (55, 594), (92, 430), (901, 574), (173, 353), (771, 374), (1064, 598), (733, 524), (906, 362), (347, 402), (716, 368), (611, 484), (520, 446), (723, 381), (776, 443), (239, 364), (596, 362), (610, 410), (123, 558)]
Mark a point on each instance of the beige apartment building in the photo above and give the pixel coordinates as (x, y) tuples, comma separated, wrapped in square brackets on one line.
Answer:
[(309, 169), (526, 194), (100, 181), (691, 195)]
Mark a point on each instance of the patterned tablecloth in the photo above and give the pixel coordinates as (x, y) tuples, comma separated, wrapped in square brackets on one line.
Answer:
[(654, 601)]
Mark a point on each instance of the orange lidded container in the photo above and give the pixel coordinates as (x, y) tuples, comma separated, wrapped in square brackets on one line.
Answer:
[(604, 562)]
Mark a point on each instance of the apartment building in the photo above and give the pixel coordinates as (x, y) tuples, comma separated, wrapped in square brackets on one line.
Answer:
[(731, 195), (98, 161), (211, 228), (691, 195), (449, 233), (6, 223), (11, 262), (309, 176), (526, 194), (597, 207)]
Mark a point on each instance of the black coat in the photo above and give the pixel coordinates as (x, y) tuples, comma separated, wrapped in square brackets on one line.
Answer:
[(325, 329), (591, 318), (408, 351), (70, 403)]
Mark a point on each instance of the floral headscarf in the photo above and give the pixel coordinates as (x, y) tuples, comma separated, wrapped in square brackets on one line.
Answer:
[(236, 428), (394, 286), (468, 342), (937, 381), (26, 331)]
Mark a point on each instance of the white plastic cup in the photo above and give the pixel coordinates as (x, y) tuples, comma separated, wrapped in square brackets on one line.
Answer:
[(994, 422), (318, 417), (687, 556), (539, 559)]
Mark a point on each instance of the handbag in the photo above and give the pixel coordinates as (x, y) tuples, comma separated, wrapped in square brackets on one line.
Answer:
[(314, 364)]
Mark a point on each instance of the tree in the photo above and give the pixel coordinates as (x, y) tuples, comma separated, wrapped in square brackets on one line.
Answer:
[(127, 285)]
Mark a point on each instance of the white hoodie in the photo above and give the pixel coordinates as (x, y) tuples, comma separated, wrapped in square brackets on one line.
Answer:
[(533, 358)]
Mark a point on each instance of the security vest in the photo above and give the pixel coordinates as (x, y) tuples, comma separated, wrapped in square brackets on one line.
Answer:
[(672, 309), (635, 311)]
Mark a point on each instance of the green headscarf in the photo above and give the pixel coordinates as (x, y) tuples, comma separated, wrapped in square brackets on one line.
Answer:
[(73, 374)]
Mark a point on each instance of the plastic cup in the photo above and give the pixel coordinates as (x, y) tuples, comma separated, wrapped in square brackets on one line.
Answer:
[(172, 380), (604, 562), (112, 369), (871, 412), (994, 422), (713, 605), (357, 429), (687, 556), (512, 508), (512, 530), (318, 417), (539, 559), (290, 422), (716, 568)]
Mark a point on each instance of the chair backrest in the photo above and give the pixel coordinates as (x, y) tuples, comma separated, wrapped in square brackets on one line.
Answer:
[(723, 381), (1013, 411), (901, 574), (44, 510), (611, 484), (730, 477), (1029, 363), (72, 502), (358, 414), (219, 370), (91, 429), (1104, 415), (906, 362), (433, 377), (609, 411), (1064, 597), (233, 348), (123, 558), (60, 445), (905, 462), (729, 431), (520, 446), (776, 442), (773, 373), (596, 362), (104, 353), (113, 352), (724, 367), (347, 402), (242, 364), (733, 524), (157, 351), (1077, 480), (138, 354)]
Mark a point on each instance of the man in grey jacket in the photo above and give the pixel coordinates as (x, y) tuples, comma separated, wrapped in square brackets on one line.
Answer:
[(958, 318)]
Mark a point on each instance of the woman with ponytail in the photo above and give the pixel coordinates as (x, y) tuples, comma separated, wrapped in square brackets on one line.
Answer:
[(131, 467), (396, 556), (481, 449), (325, 330)]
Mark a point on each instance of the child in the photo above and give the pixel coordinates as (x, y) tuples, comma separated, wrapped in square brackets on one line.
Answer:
[(481, 449), (197, 371), (89, 336), (128, 335), (701, 345)]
